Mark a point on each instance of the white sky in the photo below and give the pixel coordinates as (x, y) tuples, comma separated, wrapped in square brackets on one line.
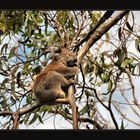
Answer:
[(61, 124), (59, 120)]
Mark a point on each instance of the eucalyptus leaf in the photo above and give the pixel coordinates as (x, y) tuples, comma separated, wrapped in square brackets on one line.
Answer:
[(110, 84), (84, 109), (137, 42), (34, 118), (40, 119), (12, 52), (4, 47)]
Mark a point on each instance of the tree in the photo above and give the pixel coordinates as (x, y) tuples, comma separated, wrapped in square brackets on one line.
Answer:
[(25, 40)]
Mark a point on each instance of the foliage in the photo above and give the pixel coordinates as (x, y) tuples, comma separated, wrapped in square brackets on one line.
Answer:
[(25, 39)]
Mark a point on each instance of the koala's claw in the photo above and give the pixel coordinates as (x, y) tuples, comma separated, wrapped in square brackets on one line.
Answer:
[(71, 81)]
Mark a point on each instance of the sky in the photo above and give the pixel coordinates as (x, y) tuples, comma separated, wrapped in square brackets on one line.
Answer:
[(57, 121)]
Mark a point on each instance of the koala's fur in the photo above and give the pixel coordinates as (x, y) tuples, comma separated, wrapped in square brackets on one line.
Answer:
[(52, 82)]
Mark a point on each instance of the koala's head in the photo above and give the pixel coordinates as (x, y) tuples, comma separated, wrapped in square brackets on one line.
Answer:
[(65, 56)]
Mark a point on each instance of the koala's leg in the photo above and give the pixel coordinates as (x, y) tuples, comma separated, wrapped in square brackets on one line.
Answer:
[(62, 83), (56, 83), (51, 95)]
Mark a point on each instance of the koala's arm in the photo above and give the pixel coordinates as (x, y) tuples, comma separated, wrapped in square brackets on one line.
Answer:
[(68, 71)]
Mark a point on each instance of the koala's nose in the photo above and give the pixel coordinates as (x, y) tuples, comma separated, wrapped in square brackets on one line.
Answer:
[(75, 60)]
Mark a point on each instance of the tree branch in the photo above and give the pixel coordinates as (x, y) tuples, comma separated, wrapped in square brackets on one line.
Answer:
[(102, 20), (29, 109), (6, 113), (80, 119), (25, 110), (110, 99), (99, 33)]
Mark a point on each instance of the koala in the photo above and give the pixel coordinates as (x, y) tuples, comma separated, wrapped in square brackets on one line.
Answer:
[(53, 81)]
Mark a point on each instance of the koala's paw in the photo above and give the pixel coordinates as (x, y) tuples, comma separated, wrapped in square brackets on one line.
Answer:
[(71, 81), (76, 70)]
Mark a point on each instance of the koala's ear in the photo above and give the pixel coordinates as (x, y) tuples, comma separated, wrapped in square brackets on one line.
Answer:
[(55, 49)]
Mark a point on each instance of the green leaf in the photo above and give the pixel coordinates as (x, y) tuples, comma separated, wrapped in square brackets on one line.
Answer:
[(137, 42), (62, 17), (4, 58), (126, 62), (40, 119), (26, 68), (5, 124), (136, 70), (84, 109), (66, 112), (122, 125), (51, 39), (89, 67), (27, 99), (95, 17), (110, 84), (44, 113), (39, 19), (12, 52), (29, 27), (26, 118), (105, 77), (5, 46), (6, 80), (38, 36), (88, 93), (119, 33), (99, 83), (70, 23), (30, 45), (129, 27), (37, 69), (33, 119)]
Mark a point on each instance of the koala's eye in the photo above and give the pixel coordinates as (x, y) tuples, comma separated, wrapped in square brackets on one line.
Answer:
[(58, 51), (74, 60)]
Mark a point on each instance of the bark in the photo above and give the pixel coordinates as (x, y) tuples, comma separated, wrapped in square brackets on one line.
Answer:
[(99, 33)]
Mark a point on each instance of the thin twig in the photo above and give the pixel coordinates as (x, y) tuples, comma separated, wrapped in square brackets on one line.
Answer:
[(99, 33)]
